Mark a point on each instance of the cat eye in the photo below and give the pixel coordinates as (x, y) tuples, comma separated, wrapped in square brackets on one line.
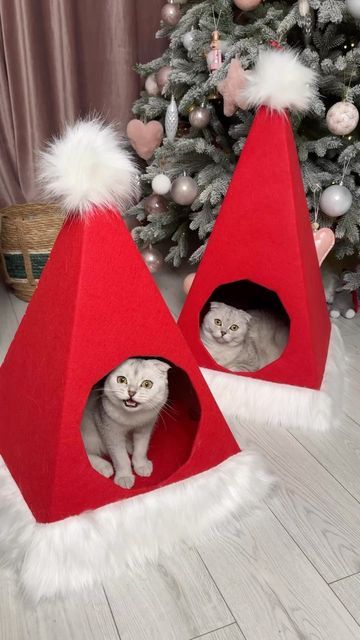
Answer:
[(147, 384), (234, 327), (121, 380), (218, 322)]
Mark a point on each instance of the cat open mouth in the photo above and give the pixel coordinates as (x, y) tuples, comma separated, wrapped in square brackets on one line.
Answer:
[(130, 403)]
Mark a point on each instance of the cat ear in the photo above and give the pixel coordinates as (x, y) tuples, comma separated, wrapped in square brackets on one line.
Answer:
[(215, 305), (246, 316), (162, 366)]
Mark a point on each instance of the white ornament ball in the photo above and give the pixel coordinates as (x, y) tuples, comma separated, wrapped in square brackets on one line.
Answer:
[(189, 38), (335, 200), (153, 259), (342, 118), (184, 190), (188, 282), (161, 184), (353, 7), (151, 86)]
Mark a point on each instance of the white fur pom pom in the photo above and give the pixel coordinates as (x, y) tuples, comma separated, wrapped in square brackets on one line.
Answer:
[(280, 81), (88, 166)]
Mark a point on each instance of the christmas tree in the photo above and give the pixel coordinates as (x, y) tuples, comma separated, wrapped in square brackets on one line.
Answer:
[(194, 90)]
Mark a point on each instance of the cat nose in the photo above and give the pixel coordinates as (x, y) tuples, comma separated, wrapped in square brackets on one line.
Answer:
[(131, 393), (222, 332)]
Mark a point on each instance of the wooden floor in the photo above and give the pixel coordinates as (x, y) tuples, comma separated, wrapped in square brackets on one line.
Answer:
[(290, 571)]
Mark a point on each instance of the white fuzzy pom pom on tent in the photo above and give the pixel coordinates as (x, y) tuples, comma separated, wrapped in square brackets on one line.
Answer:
[(88, 167), (280, 81)]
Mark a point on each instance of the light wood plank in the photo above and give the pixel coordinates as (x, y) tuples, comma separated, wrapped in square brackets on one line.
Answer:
[(348, 591), (176, 600), (8, 322), (232, 632), (271, 588), (321, 516), (338, 451), (85, 617)]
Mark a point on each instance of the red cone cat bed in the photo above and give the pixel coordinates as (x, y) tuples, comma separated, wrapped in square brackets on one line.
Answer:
[(263, 238), (62, 524)]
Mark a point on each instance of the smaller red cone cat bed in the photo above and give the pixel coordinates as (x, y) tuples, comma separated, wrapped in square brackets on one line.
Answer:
[(62, 523), (256, 306)]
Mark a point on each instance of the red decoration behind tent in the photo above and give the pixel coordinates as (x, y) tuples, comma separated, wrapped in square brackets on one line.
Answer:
[(95, 306), (263, 235)]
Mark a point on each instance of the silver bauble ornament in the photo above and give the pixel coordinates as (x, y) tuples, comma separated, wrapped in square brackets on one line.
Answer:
[(151, 86), (335, 200), (171, 120), (199, 117), (189, 38), (155, 204), (171, 14), (184, 190), (342, 118), (353, 7), (161, 184), (153, 259), (162, 76)]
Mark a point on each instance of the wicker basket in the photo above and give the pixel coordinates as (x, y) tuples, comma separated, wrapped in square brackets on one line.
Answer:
[(27, 234)]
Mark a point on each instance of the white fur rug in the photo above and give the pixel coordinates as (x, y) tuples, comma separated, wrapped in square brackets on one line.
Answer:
[(271, 405)]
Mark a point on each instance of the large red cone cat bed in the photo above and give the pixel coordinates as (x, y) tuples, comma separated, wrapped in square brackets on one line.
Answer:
[(62, 524), (263, 242)]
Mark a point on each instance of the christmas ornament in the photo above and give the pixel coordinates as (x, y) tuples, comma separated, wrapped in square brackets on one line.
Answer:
[(335, 200), (246, 5), (324, 241), (155, 204), (153, 259), (188, 282), (353, 7), (162, 77), (151, 86), (305, 13), (171, 120), (342, 118), (145, 138), (184, 190), (214, 57), (161, 184), (232, 86), (189, 38), (304, 7), (199, 117), (171, 13)]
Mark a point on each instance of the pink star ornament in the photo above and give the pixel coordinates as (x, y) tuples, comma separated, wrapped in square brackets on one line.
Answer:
[(232, 86)]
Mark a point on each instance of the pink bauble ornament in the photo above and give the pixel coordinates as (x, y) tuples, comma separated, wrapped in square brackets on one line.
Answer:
[(246, 5), (171, 14), (155, 204), (153, 259), (151, 86), (188, 282), (145, 138), (324, 241), (162, 76), (342, 118)]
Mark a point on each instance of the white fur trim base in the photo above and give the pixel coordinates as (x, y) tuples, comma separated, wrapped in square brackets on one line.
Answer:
[(57, 558), (268, 404)]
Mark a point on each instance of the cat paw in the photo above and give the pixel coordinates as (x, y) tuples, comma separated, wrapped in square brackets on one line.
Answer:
[(144, 468), (126, 482), (105, 468)]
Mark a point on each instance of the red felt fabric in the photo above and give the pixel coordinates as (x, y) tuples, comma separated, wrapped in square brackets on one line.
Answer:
[(263, 234), (95, 306)]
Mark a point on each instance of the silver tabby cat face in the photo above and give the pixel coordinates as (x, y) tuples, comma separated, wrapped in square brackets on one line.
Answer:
[(139, 384), (226, 324)]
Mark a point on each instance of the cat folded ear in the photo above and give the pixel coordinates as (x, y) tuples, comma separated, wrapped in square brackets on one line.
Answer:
[(162, 366), (215, 305), (246, 316)]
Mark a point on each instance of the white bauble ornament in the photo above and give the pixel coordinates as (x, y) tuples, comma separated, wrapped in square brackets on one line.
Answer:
[(151, 86), (153, 259), (161, 184), (184, 190), (353, 7), (171, 120), (342, 118), (189, 38), (335, 200)]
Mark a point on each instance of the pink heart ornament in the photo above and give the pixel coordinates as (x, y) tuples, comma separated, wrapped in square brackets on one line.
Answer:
[(145, 138), (324, 241)]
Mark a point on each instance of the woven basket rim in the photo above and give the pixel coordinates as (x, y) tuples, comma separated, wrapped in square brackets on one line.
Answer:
[(31, 207)]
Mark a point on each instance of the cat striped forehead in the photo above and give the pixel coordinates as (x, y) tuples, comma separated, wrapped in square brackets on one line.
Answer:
[(138, 367)]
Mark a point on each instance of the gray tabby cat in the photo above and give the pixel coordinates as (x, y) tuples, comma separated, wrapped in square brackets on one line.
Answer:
[(243, 340), (119, 419)]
